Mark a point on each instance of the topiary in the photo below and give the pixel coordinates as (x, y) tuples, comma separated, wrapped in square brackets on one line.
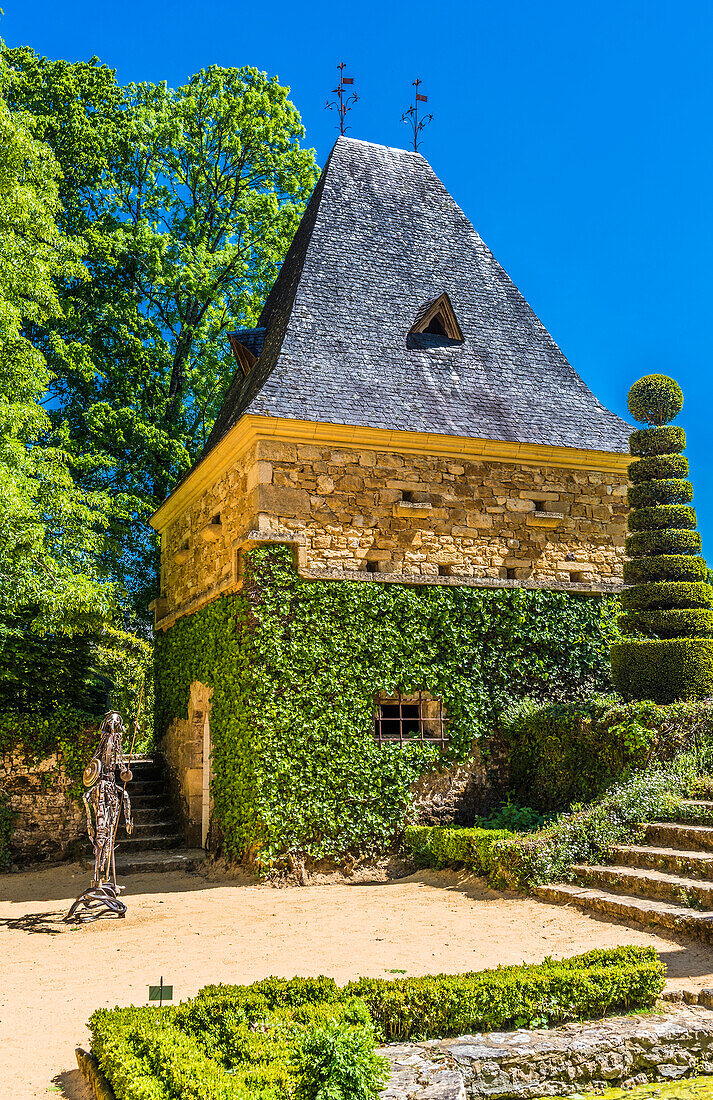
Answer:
[(667, 651), (670, 567), (655, 399)]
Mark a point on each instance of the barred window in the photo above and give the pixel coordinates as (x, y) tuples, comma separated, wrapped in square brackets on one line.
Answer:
[(416, 716)]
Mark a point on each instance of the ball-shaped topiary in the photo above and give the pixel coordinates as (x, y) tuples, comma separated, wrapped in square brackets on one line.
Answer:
[(655, 399), (667, 651)]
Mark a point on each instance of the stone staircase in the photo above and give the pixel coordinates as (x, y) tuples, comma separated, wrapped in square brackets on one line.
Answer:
[(157, 842), (667, 881)]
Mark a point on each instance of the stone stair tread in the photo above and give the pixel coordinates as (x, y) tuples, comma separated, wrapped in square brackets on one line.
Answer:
[(625, 904), (642, 874), (708, 803), (178, 859), (683, 826), (678, 853)]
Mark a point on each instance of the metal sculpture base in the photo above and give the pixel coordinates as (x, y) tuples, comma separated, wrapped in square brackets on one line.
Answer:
[(101, 899)]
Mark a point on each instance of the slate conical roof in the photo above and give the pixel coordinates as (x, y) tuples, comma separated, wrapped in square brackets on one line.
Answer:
[(380, 239)]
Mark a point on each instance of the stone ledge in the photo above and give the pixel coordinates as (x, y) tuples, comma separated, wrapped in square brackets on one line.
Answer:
[(616, 1051), (95, 1079)]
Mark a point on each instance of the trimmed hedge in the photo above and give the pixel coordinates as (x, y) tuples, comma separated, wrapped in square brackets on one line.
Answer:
[(670, 567), (666, 542), (660, 491), (658, 466), (663, 670), (657, 441), (665, 594), (441, 846), (680, 516), (677, 622), (283, 1037)]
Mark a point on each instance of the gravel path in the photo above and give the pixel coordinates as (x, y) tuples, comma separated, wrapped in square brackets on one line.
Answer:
[(195, 931)]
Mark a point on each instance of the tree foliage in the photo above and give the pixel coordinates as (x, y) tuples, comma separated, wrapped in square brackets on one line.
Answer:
[(51, 531), (186, 200)]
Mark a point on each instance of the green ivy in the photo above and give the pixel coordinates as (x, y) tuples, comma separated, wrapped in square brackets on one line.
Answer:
[(294, 666)]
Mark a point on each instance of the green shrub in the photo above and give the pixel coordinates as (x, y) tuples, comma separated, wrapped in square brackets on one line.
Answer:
[(658, 466), (665, 594), (666, 542), (657, 441), (660, 491), (442, 846), (671, 567), (679, 516), (514, 817), (655, 399), (339, 1063), (672, 623), (663, 669), (561, 753)]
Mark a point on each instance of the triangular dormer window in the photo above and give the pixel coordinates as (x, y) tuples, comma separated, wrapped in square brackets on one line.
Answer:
[(246, 345), (436, 325)]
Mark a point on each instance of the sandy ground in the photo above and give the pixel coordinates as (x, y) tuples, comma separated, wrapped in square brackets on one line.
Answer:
[(194, 931)]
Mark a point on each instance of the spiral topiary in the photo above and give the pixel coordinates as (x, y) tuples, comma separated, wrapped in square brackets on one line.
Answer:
[(667, 651)]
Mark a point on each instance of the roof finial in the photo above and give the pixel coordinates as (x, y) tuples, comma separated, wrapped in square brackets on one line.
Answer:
[(342, 104), (411, 116)]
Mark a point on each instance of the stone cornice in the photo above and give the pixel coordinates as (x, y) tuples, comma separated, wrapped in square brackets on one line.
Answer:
[(249, 430)]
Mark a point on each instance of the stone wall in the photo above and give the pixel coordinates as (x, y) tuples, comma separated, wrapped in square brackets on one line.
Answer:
[(381, 515), (48, 822), (455, 795), (621, 1051), (182, 749)]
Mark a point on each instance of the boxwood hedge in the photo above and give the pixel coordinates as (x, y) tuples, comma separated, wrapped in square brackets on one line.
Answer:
[(282, 1037)]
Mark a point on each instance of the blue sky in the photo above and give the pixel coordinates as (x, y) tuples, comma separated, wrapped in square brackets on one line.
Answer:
[(577, 138)]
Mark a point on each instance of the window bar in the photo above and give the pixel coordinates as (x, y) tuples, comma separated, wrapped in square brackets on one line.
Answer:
[(401, 720), (420, 715)]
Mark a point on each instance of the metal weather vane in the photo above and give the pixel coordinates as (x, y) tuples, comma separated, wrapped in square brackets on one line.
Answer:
[(411, 115), (344, 102), (104, 800)]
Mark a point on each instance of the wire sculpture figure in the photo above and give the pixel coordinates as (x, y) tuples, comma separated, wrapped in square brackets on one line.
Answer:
[(411, 115), (343, 103), (104, 801)]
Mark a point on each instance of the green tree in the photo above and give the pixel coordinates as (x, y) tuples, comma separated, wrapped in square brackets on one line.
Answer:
[(51, 531), (187, 201), (667, 652)]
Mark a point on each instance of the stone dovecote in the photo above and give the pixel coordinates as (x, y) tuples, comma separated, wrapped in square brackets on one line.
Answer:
[(466, 451)]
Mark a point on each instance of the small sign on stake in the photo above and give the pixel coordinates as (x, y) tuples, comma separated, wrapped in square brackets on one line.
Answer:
[(161, 992)]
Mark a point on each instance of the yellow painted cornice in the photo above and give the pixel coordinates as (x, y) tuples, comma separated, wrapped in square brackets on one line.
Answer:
[(249, 430)]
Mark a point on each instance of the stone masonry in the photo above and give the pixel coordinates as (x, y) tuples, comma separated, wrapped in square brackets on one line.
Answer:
[(383, 515), (618, 1051), (48, 820)]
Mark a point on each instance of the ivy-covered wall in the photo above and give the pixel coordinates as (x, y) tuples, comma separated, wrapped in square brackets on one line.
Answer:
[(294, 666)]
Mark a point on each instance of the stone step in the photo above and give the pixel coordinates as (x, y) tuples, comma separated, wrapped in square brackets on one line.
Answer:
[(675, 860), (161, 827), (143, 844), (146, 801), (141, 787), (691, 892), (145, 815), (669, 834), (179, 859), (676, 918)]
